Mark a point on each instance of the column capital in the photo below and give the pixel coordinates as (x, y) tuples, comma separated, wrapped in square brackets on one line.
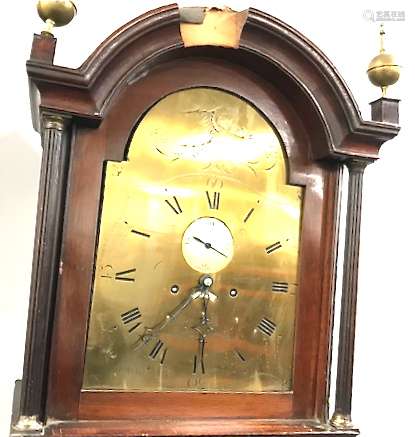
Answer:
[(54, 121), (357, 165)]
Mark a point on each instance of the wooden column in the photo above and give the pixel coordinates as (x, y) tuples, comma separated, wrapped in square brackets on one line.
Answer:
[(45, 270), (342, 414)]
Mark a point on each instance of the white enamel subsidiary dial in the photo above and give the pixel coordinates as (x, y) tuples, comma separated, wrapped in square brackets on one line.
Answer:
[(207, 245)]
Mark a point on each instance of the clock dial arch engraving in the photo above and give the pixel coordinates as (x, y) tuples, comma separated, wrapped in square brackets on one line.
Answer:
[(201, 199)]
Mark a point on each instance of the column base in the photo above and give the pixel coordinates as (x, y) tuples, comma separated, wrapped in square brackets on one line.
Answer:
[(22, 426), (341, 421)]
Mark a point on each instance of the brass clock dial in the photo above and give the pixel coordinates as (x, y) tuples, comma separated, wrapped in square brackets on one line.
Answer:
[(197, 258)]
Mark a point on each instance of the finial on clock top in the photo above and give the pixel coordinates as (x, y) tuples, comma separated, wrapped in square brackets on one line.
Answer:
[(383, 71), (55, 13)]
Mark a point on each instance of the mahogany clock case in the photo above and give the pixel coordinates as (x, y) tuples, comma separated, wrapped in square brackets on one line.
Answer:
[(87, 117)]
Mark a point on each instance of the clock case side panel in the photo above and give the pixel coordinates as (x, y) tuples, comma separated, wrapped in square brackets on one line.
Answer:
[(317, 302), (109, 142), (75, 282)]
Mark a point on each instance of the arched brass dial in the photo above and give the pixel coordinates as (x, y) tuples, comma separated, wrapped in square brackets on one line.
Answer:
[(203, 196)]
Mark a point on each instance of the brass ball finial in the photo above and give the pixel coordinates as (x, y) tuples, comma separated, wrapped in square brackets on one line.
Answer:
[(383, 70), (55, 13)]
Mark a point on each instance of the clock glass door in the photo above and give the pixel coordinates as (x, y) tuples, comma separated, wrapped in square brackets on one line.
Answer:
[(197, 254)]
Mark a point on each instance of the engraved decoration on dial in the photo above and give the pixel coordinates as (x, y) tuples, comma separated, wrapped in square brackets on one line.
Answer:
[(196, 265)]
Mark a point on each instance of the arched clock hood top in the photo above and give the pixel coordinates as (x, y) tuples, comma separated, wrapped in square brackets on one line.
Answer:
[(287, 59)]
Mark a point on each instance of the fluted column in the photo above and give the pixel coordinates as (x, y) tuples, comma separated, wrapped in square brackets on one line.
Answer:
[(342, 414), (52, 189)]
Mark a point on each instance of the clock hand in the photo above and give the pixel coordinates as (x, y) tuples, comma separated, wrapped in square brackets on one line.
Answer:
[(203, 328), (216, 250), (209, 246), (153, 332), (202, 342)]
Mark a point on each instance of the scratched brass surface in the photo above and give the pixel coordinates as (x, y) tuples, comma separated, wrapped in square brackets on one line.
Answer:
[(191, 142)]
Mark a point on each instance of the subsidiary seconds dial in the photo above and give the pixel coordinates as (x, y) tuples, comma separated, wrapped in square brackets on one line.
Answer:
[(207, 245)]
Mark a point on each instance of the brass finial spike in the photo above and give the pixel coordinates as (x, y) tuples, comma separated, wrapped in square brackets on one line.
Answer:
[(55, 13), (382, 39), (383, 71)]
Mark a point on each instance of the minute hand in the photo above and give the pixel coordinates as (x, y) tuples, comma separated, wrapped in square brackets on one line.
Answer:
[(150, 333), (209, 246), (216, 250), (196, 293)]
